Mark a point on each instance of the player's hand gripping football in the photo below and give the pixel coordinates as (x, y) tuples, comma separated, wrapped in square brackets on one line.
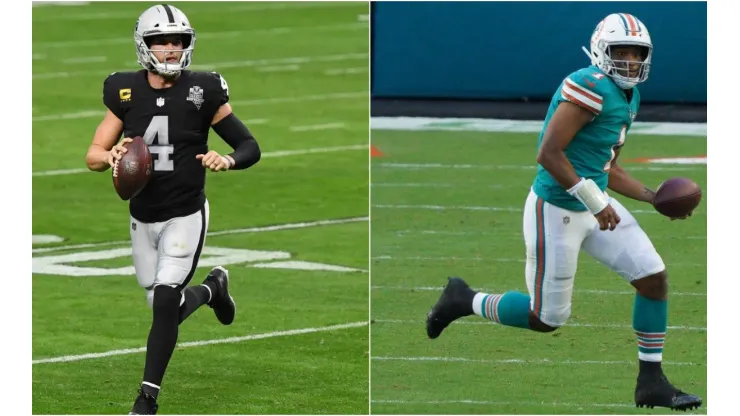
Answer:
[(608, 218), (116, 153), (214, 161)]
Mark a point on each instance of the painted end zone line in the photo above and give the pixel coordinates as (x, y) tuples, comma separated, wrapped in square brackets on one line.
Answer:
[(69, 358), (279, 153), (279, 227)]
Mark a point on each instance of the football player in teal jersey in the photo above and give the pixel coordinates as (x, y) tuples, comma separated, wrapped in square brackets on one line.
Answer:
[(568, 210)]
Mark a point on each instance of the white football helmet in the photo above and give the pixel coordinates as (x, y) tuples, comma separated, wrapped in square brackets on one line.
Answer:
[(159, 20), (620, 29)]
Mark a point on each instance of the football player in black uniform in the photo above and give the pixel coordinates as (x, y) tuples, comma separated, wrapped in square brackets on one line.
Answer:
[(173, 110)]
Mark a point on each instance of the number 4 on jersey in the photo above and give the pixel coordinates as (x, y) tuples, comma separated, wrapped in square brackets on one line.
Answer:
[(157, 136), (224, 85)]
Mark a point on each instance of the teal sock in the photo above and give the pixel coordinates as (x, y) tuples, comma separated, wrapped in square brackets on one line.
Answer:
[(650, 320), (510, 309)]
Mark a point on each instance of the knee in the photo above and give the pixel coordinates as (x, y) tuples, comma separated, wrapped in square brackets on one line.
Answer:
[(654, 286), (164, 298)]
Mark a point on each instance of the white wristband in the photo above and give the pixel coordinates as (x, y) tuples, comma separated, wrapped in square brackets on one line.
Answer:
[(590, 195)]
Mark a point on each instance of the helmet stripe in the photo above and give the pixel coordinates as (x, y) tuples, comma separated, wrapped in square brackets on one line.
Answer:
[(633, 25), (170, 15), (624, 22)]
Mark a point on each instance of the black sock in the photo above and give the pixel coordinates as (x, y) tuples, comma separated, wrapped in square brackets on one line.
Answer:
[(650, 367), (162, 336), (195, 297), (152, 391)]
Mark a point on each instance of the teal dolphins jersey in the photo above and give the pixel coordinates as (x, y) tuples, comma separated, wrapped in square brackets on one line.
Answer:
[(592, 149)]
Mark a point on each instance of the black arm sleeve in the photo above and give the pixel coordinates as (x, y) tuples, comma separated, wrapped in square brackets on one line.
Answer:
[(235, 133)]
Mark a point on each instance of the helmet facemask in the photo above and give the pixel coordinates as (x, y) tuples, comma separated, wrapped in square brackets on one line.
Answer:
[(148, 58), (627, 73)]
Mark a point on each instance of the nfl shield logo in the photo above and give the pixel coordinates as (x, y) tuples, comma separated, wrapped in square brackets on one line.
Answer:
[(196, 96), (160, 102)]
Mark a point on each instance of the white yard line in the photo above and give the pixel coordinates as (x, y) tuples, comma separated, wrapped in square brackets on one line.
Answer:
[(209, 35), (488, 259), (191, 9), (422, 166), (279, 68), (317, 150), (261, 101), (507, 235), (219, 66), (69, 358), (589, 291), (58, 172), (278, 153), (268, 228), (517, 361), (435, 185), (502, 403), (567, 325), (84, 60), (698, 130), (290, 62), (325, 126), (346, 71), (481, 208), (71, 116)]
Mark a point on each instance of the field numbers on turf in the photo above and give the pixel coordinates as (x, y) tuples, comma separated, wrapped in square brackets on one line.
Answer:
[(157, 136), (64, 264)]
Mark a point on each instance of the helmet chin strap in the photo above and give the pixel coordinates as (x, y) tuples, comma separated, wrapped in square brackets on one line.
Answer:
[(174, 74), (170, 76), (590, 57)]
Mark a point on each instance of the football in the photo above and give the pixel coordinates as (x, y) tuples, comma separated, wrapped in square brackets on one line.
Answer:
[(677, 197), (132, 172)]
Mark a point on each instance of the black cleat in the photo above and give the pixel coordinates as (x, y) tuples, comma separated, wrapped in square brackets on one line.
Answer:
[(145, 404), (222, 303), (657, 391), (455, 302)]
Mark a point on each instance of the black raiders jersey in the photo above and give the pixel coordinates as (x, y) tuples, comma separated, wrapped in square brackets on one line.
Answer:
[(174, 122)]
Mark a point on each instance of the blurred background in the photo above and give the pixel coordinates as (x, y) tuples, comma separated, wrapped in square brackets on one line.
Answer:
[(490, 58)]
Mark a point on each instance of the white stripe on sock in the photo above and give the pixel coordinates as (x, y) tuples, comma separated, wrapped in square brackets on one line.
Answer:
[(477, 301), (210, 294), (150, 384), (654, 357)]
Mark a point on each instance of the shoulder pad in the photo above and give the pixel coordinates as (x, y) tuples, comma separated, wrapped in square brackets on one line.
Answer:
[(587, 88)]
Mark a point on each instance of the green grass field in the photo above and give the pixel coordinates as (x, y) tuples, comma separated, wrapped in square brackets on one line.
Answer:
[(297, 74), (433, 200)]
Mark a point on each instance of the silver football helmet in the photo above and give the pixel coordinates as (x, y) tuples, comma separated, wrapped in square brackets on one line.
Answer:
[(161, 20)]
